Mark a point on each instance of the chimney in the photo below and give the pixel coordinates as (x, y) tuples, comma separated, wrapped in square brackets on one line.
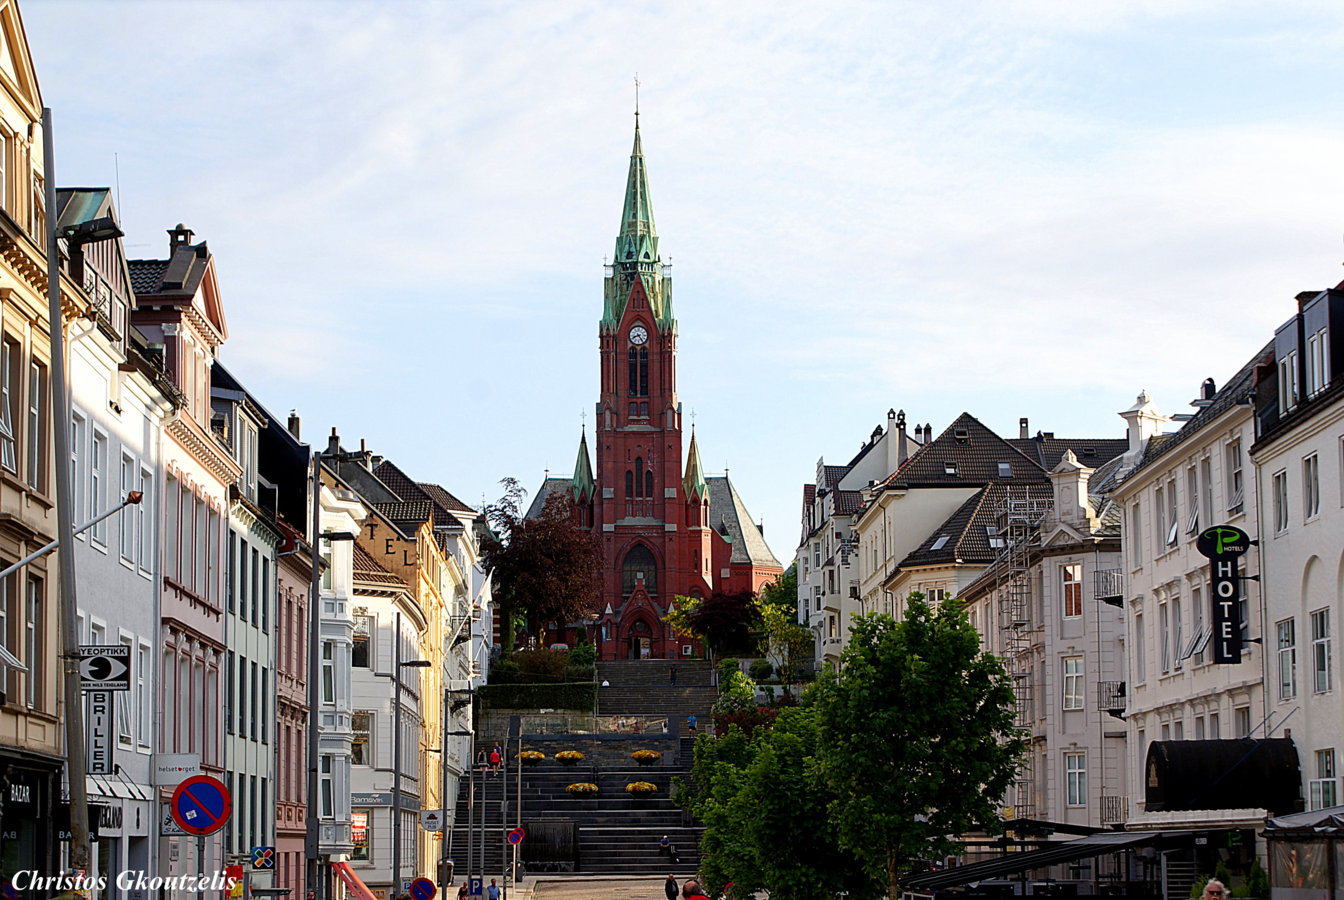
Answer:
[(1208, 390), (179, 237), (365, 456), (334, 442), (1023, 431), (293, 423)]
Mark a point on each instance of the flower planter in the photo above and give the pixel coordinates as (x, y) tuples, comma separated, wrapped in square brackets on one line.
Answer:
[(647, 757), (569, 757)]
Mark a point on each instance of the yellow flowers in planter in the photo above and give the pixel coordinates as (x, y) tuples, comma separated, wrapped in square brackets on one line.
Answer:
[(644, 757), (582, 787), (569, 756), (531, 756), (640, 787)]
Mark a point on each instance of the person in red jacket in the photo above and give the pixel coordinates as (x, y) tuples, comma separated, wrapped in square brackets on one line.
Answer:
[(691, 889)]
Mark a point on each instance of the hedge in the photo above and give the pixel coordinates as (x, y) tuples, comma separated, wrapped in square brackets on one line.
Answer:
[(577, 695)]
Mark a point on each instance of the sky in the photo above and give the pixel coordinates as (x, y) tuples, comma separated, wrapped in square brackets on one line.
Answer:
[(1014, 208)]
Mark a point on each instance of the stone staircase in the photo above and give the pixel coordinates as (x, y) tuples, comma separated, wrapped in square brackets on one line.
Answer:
[(612, 833)]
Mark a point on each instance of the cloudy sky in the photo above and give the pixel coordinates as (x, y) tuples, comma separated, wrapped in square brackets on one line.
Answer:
[(1011, 208)]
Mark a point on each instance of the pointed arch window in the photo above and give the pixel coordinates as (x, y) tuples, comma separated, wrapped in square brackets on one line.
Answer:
[(639, 570), (639, 481), (639, 371)]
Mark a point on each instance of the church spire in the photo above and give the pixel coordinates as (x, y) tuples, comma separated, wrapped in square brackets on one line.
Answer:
[(582, 484), (637, 242), (694, 483)]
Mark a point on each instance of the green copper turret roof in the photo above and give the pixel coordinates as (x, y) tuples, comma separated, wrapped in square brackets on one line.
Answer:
[(694, 483), (637, 262), (582, 484), (637, 241)]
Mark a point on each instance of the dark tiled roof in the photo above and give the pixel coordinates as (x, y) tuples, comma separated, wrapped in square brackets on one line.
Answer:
[(1048, 450), (966, 529), (147, 274), (414, 512), (832, 475), (847, 502), (550, 486), (446, 500), (1240, 386), (368, 569), (728, 513), (977, 452), (401, 484)]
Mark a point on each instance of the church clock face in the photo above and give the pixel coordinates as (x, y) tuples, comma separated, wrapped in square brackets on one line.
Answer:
[(638, 335)]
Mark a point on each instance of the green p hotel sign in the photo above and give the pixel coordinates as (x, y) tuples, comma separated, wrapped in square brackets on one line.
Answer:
[(1223, 545)]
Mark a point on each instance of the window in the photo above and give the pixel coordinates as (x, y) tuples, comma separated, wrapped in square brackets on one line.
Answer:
[(1173, 523), (144, 525), (1159, 521), (328, 672), (1075, 777), (359, 833), (1241, 718), (1317, 373), (950, 468), (1199, 728), (1164, 635), (1285, 633), (996, 540), (1206, 486), (1177, 631), (639, 371), (1140, 651), (359, 651), (1321, 661), (79, 429), (1215, 727), (228, 691), (1071, 585), (37, 426), (1073, 682), (1325, 786), (1280, 501), (940, 543), (1311, 486), (10, 357), (816, 554), (1197, 624), (326, 788), (126, 519), (34, 651), (1192, 499), (1136, 529), (359, 746), (1236, 490), (1005, 469), (39, 210), (242, 697), (639, 570), (1288, 386), (124, 700), (145, 706)]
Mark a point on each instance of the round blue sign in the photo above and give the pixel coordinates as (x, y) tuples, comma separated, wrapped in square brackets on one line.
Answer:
[(201, 805), (516, 836), (422, 889)]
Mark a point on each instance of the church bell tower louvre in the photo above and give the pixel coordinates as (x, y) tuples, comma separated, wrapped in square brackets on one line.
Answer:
[(665, 528)]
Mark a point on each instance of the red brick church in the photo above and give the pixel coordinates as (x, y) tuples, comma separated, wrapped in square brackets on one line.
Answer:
[(666, 528)]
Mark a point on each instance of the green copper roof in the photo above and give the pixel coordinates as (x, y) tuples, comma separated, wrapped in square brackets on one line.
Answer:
[(694, 483), (582, 484), (637, 260), (637, 240)]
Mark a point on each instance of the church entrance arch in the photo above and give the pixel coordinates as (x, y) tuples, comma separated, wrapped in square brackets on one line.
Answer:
[(639, 637)]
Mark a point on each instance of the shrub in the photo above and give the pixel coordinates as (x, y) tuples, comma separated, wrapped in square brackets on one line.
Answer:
[(737, 692), (583, 655), (727, 667), (1257, 881), (746, 719), (760, 669)]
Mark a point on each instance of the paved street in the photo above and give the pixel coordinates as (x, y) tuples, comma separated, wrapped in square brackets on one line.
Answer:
[(600, 888)]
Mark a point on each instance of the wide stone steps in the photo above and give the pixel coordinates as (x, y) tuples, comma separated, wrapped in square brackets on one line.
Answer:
[(656, 700), (655, 672)]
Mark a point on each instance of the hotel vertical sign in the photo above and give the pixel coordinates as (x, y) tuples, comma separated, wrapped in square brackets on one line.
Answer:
[(1224, 546)]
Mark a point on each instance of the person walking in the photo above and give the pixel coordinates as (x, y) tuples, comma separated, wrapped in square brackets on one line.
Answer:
[(496, 755), (462, 892), (492, 892), (670, 887), (672, 674), (690, 724)]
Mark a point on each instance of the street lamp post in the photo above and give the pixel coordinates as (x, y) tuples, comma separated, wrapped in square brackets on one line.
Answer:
[(75, 765), (396, 754)]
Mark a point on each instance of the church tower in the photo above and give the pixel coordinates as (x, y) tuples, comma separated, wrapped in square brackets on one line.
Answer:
[(666, 529)]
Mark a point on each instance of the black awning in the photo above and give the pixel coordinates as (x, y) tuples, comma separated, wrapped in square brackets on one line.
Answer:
[(1244, 773), (1061, 852)]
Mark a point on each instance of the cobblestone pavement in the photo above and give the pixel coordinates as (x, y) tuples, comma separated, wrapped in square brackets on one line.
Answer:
[(600, 889)]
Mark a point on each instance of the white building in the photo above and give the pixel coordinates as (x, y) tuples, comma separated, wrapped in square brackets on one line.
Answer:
[(1175, 486), (120, 408), (1299, 462)]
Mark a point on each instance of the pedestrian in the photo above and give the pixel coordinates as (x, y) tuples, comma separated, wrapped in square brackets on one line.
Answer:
[(673, 854), (672, 674), (1214, 890), (691, 889), (496, 755), (665, 847), (670, 887), (690, 724), (492, 892), (462, 892)]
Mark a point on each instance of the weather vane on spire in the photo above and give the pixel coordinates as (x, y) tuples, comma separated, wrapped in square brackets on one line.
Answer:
[(636, 97)]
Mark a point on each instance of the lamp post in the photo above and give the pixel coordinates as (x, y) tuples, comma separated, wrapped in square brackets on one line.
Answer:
[(75, 765), (396, 754)]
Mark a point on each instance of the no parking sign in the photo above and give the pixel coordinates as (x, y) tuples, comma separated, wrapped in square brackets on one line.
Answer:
[(201, 805), (422, 889)]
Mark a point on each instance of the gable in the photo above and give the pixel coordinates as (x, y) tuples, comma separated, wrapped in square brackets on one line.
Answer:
[(16, 65), (209, 302)]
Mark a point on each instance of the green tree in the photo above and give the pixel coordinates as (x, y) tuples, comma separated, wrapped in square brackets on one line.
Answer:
[(916, 743), (782, 638), (546, 569)]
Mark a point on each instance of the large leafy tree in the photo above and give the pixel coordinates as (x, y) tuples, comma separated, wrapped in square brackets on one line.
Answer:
[(788, 642), (916, 741), (726, 622), (545, 569)]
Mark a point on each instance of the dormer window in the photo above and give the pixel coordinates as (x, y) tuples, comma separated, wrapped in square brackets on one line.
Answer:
[(940, 543), (962, 435), (996, 540), (950, 468), (1005, 470)]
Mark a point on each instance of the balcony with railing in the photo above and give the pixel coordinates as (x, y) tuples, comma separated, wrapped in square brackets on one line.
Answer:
[(1114, 809), (1112, 697), (1108, 586)]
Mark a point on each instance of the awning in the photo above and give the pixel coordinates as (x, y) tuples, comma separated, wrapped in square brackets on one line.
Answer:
[(1319, 821), (357, 888), (1012, 863)]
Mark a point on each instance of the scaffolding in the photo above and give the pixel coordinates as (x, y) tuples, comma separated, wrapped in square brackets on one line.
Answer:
[(1019, 518)]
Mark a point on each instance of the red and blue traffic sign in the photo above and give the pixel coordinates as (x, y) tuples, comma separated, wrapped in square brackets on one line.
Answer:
[(201, 805), (422, 889), (516, 836)]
